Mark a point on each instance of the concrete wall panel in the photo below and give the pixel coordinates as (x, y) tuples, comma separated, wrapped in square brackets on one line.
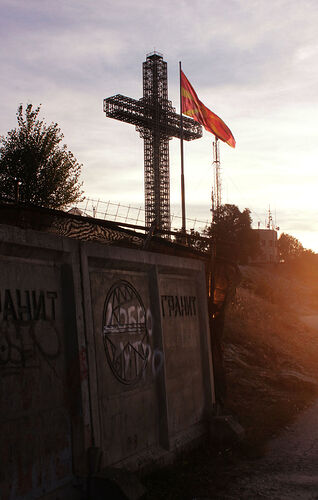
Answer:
[(36, 423), (124, 347), (180, 310)]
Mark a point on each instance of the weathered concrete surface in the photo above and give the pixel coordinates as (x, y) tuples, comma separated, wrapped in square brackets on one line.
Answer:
[(180, 321), (148, 319), (101, 348), (289, 469), (36, 360)]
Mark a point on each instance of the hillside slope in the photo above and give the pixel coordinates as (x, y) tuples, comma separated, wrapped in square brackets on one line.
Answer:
[(270, 348), (271, 363)]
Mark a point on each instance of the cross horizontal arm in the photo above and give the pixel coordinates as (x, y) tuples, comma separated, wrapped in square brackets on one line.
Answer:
[(191, 129), (125, 109), (144, 114)]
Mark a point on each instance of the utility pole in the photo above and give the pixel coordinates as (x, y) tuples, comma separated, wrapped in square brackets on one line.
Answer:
[(216, 195)]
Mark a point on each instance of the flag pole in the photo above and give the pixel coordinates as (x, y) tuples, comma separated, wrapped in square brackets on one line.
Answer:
[(183, 229)]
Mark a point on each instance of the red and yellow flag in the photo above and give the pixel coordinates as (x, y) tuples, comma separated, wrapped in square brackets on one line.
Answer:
[(193, 107)]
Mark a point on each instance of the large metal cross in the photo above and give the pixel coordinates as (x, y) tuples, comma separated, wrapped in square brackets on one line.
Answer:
[(157, 122)]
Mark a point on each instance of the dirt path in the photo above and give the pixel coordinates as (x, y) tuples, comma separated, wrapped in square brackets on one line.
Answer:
[(289, 469)]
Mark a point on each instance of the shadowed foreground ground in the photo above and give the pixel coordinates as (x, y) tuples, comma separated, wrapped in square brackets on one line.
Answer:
[(289, 468)]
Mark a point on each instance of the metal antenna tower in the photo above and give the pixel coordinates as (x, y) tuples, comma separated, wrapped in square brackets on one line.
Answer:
[(270, 224), (157, 122), (217, 181)]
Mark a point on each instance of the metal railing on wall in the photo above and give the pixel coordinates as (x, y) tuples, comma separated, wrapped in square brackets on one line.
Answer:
[(129, 214)]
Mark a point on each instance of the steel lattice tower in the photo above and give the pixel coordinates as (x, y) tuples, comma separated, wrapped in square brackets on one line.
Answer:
[(157, 122)]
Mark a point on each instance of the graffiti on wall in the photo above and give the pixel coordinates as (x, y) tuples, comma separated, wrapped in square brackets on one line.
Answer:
[(27, 329), (125, 332)]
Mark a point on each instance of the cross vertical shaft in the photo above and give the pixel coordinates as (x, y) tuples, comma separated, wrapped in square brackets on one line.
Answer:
[(156, 143), (157, 122)]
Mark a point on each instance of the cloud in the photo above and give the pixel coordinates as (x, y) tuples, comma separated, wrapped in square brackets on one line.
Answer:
[(253, 62)]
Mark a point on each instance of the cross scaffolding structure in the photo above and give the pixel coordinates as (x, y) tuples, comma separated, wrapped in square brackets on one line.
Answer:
[(157, 122)]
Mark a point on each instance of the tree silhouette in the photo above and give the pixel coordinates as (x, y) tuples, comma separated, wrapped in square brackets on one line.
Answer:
[(230, 234), (290, 248), (231, 230), (33, 156)]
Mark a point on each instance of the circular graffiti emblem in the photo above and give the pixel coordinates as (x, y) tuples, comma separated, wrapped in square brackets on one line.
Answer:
[(125, 332)]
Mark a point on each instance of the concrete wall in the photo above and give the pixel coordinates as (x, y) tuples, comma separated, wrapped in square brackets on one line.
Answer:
[(99, 347)]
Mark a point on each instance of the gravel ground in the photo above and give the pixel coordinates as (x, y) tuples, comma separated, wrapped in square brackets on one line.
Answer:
[(289, 468)]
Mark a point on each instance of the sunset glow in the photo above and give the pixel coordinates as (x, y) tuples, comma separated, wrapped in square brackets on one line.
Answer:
[(253, 63)]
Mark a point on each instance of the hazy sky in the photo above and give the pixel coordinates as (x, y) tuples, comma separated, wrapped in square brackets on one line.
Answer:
[(254, 63)]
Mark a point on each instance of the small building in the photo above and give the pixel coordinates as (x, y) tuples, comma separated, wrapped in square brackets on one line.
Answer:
[(269, 248)]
